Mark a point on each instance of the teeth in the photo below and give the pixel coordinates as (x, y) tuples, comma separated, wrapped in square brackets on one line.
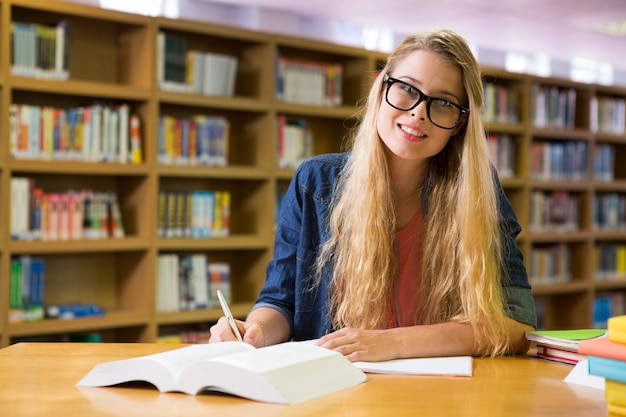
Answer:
[(412, 132)]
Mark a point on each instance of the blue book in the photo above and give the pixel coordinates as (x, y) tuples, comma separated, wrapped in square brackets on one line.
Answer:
[(612, 369)]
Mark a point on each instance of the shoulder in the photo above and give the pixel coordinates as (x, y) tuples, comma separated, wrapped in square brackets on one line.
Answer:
[(328, 161), (321, 168), (317, 176)]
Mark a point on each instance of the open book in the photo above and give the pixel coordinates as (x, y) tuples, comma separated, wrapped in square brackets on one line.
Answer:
[(287, 373)]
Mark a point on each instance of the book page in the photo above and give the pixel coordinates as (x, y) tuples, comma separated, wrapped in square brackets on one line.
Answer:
[(175, 361), (276, 356), (160, 369)]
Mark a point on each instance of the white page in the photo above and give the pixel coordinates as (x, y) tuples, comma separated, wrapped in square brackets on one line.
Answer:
[(580, 375), (448, 366)]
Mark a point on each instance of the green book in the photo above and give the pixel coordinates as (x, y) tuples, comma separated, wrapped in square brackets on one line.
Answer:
[(564, 339)]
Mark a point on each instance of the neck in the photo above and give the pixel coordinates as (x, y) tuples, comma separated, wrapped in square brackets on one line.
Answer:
[(407, 177)]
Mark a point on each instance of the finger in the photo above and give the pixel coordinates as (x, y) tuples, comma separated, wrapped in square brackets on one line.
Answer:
[(335, 339), (253, 334), (221, 331)]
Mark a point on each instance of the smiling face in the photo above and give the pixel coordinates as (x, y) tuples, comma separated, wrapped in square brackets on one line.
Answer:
[(410, 134)]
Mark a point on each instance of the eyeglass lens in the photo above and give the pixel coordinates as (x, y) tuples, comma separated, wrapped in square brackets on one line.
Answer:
[(405, 97)]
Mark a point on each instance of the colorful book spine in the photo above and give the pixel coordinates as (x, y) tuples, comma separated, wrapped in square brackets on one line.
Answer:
[(196, 214), (308, 82), (616, 410), (97, 133), (615, 392), (189, 282), (617, 329), (40, 50), (608, 368), (26, 292), (70, 215), (607, 358), (199, 141)]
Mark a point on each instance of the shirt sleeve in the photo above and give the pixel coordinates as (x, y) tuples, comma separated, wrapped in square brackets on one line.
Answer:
[(516, 287)]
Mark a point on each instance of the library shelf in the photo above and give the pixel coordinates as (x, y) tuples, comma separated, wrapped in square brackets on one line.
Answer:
[(115, 57)]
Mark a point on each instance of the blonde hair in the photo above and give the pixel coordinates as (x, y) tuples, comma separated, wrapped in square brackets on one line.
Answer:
[(461, 265)]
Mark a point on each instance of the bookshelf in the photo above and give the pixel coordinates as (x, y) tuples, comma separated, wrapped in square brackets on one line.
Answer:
[(115, 58)]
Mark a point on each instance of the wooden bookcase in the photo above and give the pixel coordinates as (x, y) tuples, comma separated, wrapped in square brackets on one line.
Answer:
[(113, 57)]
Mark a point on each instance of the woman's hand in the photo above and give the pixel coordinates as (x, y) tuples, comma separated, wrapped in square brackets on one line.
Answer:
[(221, 331), (252, 333), (362, 345)]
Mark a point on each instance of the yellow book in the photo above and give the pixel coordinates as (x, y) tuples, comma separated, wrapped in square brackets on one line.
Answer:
[(217, 213), (617, 329), (621, 260), (615, 392), (616, 410)]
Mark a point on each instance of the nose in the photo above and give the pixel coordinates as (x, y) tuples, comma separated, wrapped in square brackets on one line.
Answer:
[(421, 110)]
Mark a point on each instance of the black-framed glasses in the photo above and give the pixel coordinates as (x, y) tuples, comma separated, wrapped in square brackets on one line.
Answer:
[(441, 112)]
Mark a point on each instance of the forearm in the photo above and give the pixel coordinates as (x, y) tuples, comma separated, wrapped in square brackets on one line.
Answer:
[(449, 339), (274, 326), (445, 339)]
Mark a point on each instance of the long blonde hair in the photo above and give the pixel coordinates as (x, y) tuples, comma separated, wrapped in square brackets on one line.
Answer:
[(461, 265)]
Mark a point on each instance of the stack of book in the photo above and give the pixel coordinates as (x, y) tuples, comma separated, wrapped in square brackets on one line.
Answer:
[(563, 345), (607, 358)]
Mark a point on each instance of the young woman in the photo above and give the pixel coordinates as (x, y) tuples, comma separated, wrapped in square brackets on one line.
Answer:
[(405, 246)]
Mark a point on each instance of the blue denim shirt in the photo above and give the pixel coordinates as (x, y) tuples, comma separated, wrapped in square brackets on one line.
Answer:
[(302, 228)]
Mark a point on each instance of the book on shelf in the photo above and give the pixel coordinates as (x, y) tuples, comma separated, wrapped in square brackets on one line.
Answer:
[(136, 156), (39, 215), (72, 311), (286, 373), (26, 289), (295, 142), (501, 104), (610, 262), (40, 50), (563, 161), (604, 162), (96, 133), (609, 212), (554, 211), (562, 345), (200, 140), (502, 153), (188, 337), (608, 115), (309, 82), (607, 305), (553, 106), (190, 282), (182, 70), (193, 214), (550, 264)]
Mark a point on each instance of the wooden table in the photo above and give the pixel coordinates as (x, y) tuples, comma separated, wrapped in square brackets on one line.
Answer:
[(39, 379)]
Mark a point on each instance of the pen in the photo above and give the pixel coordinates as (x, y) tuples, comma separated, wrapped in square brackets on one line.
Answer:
[(229, 315)]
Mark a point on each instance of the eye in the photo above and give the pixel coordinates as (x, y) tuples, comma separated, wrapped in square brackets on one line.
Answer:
[(440, 102), (409, 89)]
